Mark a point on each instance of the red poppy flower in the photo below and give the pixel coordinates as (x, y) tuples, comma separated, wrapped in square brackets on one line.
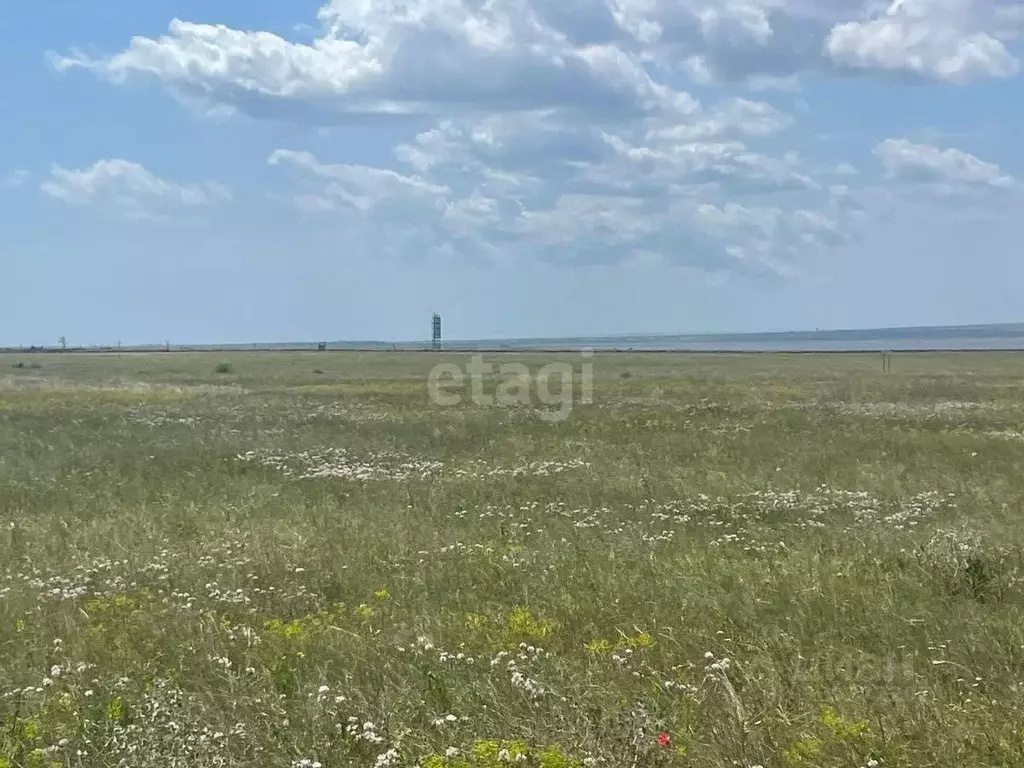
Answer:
[(664, 739)]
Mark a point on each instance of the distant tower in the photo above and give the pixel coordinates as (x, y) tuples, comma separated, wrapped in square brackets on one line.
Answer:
[(436, 331)]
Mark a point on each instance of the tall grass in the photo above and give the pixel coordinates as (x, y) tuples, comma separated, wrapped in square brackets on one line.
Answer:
[(724, 560)]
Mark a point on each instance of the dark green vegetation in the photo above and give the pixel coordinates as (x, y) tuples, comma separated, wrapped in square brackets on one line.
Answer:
[(259, 559)]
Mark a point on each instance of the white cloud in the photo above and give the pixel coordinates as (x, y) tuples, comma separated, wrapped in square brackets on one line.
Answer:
[(515, 154), (946, 169), (128, 189), (539, 187), (559, 127), (773, 234), (377, 198), (606, 57), (666, 164), (951, 40), (767, 42), (741, 116), (402, 56), (361, 187)]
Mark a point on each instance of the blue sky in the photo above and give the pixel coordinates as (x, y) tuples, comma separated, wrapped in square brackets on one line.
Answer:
[(303, 171)]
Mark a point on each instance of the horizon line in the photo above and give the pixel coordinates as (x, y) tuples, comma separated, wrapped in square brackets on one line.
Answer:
[(809, 335)]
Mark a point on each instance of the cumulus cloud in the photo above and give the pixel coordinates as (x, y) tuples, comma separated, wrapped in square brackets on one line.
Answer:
[(560, 128), (128, 189), (605, 57), (540, 187), (668, 165), (947, 170), (399, 57), (517, 154), (951, 40), (740, 116)]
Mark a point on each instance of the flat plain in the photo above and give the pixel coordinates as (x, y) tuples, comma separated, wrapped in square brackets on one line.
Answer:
[(268, 559)]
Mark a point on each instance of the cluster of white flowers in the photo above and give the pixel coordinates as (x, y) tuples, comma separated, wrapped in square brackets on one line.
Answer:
[(754, 522), (445, 657), (675, 687), (244, 634), (366, 731), (715, 665), (231, 597), (348, 411), (533, 687), (323, 694), (940, 410), (624, 658), (447, 720), (506, 757), (339, 463)]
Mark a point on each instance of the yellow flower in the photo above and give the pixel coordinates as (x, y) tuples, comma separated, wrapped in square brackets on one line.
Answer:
[(524, 624), (641, 640)]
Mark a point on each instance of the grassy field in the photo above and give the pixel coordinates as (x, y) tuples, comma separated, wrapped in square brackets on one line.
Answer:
[(268, 559)]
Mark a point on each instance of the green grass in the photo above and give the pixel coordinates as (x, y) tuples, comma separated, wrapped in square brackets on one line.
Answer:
[(243, 559)]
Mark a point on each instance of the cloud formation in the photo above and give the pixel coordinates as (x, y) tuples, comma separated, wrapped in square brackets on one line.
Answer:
[(563, 128), (946, 169), (515, 186), (592, 56), (127, 189), (956, 41)]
